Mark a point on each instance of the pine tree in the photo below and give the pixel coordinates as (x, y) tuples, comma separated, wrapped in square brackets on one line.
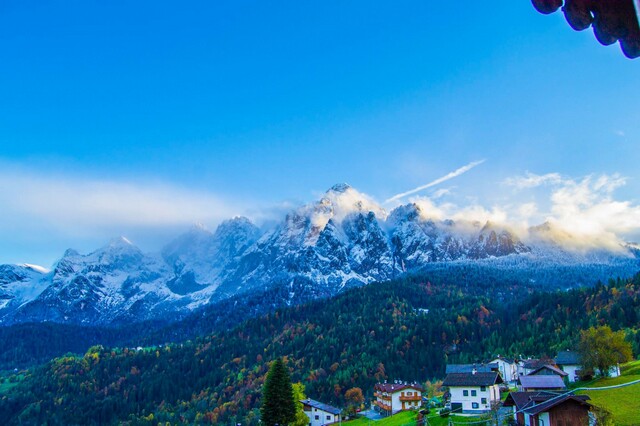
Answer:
[(278, 404)]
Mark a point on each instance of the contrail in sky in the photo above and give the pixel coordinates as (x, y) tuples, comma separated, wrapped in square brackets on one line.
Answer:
[(438, 181)]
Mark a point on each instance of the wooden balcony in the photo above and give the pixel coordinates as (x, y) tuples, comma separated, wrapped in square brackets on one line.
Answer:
[(381, 395), (383, 406), (413, 398)]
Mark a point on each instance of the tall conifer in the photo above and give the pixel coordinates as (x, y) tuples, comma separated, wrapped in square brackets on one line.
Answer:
[(278, 405)]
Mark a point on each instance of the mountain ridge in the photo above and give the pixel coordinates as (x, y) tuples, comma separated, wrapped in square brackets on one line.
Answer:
[(342, 240)]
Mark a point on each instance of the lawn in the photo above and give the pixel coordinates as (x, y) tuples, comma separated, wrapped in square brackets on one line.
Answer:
[(623, 403), (409, 418)]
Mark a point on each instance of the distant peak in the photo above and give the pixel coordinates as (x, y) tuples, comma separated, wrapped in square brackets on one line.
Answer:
[(340, 188), (120, 241), (199, 227)]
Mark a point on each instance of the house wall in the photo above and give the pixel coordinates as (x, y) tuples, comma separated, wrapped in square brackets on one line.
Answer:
[(571, 370), (323, 417), (569, 413), (398, 405), (492, 393), (507, 371)]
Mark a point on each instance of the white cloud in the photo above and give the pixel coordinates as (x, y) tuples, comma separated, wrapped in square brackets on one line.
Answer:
[(71, 206), (440, 193), (438, 181), (531, 180)]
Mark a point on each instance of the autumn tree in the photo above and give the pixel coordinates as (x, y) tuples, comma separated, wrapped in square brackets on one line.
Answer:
[(600, 349), (354, 399), (298, 395), (278, 406)]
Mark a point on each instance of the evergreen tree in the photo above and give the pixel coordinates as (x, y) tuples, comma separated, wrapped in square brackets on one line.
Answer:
[(278, 405)]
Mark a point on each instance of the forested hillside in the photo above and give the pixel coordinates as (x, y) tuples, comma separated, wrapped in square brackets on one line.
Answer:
[(406, 329)]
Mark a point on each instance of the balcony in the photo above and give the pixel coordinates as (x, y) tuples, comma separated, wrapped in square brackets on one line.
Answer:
[(381, 395), (383, 406), (413, 398)]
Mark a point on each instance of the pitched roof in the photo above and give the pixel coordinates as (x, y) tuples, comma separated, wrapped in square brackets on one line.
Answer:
[(522, 400), (552, 368), (321, 406), (532, 364), (568, 358), (470, 379), (542, 382), (505, 359), (395, 387), (468, 368), (538, 402)]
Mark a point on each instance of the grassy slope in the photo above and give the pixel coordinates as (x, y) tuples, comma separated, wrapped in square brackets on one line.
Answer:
[(623, 403), (408, 418)]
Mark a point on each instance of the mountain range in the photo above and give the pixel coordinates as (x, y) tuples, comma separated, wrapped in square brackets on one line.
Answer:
[(343, 240)]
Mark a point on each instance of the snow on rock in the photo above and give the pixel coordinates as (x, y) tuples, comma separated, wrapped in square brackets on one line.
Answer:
[(344, 239)]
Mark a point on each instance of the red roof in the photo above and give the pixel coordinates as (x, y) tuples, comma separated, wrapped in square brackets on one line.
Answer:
[(395, 387)]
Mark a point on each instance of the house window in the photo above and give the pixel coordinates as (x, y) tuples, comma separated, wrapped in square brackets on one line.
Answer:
[(483, 400), (483, 388), (474, 405), (328, 417), (317, 417), (474, 393), (465, 393)]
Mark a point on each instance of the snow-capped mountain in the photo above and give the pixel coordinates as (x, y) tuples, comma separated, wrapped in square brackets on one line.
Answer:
[(344, 239)]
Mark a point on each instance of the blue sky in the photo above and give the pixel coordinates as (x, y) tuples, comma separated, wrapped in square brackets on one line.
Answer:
[(138, 118)]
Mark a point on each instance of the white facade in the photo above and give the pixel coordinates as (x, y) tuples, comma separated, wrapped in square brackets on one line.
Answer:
[(572, 371), (393, 401), (508, 371), (474, 398), (318, 417)]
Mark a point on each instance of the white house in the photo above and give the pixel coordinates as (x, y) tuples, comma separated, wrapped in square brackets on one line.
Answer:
[(320, 414), (392, 398), (569, 362), (473, 393), (508, 368)]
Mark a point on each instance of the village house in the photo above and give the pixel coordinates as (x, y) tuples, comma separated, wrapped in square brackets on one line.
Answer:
[(569, 362), (468, 368), (551, 382), (548, 409), (548, 370), (526, 366), (473, 392), (320, 414), (507, 367), (392, 398)]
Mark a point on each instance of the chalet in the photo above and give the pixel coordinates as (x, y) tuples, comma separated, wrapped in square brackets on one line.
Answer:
[(320, 414), (507, 367), (569, 362), (474, 392), (541, 383), (392, 398), (526, 366), (548, 370), (468, 368), (548, 409)]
